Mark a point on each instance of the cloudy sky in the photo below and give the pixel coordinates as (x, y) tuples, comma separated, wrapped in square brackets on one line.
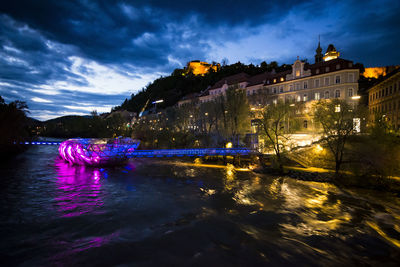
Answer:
[(71, 57)]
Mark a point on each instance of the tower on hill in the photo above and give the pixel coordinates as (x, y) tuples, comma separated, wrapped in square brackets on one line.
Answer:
[(331, 53)]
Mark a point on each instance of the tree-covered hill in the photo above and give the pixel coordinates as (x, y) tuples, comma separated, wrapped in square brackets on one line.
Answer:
[(172, 88)]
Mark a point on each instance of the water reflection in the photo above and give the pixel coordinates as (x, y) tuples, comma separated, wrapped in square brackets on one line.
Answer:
[(78, 189), (319, 212)]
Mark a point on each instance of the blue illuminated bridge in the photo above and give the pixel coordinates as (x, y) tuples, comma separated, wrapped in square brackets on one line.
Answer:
[(83, 152)]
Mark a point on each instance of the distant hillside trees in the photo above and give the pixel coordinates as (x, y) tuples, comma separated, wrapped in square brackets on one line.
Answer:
[(87, 126), (172, 88)]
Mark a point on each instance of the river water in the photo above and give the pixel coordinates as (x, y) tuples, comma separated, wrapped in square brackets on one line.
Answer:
[(151, 212)]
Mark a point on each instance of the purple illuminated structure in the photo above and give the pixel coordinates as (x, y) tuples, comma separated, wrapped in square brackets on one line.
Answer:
[(96, 152)]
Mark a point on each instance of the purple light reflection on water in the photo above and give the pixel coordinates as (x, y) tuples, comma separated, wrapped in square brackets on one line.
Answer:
[(78, 189)]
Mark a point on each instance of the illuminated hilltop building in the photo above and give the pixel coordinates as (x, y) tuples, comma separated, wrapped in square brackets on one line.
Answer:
[(376, 72), (331, 53), (198, 67)]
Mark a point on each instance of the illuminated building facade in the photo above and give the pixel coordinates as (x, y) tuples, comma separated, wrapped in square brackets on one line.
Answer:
[(384, 100), (328, 78), (325, 79)]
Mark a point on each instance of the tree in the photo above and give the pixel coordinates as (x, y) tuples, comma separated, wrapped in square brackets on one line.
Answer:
[(336, 118), (276, 121), (236, 113), (13, 127)]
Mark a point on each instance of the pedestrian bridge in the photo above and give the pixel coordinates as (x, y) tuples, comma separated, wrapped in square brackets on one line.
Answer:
[(186, 152)]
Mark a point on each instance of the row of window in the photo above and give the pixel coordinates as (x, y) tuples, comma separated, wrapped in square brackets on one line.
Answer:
[(386, 107), (392, 89), (317, 71), (297, 86), (318, 96)]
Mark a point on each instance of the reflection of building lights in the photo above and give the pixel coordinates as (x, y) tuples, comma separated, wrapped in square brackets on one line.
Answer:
[(318, 148)]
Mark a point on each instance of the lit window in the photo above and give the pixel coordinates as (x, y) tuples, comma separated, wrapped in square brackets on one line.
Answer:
[(337, 93), (297, 73), (298, 98), (337, 108), (350, 92), (274, 80), (282, 79), (337, 79), (317, 96), (305, 97), (275, 101)]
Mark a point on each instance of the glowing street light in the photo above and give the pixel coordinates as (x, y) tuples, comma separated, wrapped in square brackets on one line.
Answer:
[(356, 97), (158, 101)]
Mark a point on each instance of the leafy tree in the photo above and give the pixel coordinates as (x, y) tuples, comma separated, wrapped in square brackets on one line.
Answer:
[(13, 121), (275, 121), (336, 118), (237, 113)]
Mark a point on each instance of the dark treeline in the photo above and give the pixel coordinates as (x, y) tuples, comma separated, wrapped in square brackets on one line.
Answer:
[(14, 126), (174, 87), (86, 127)]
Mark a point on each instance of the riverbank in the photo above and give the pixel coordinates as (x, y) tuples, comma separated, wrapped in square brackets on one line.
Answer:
[(314, 174)]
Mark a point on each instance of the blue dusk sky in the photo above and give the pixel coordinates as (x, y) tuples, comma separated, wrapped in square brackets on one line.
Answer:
[(67, 57)]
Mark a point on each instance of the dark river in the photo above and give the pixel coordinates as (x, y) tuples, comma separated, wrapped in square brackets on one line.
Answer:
[(166, 213)]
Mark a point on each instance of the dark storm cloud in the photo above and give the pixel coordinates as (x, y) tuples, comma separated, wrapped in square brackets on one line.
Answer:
[(117, 32), (57, 53)]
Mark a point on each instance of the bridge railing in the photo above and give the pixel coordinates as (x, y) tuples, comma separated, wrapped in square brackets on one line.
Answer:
[(190, 152)]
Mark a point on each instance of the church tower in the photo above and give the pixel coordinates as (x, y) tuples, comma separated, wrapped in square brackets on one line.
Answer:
[(318, 55)]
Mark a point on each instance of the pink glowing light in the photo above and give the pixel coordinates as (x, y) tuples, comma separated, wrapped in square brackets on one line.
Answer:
[(95, 152)]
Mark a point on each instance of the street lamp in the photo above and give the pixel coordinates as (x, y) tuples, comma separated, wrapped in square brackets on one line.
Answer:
[(156, 102)]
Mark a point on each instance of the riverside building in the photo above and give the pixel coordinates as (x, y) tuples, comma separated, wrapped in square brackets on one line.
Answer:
[(384, 100), (329, 77)]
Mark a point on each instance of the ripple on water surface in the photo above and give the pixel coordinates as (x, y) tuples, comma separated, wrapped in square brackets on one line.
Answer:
[(155, 212)]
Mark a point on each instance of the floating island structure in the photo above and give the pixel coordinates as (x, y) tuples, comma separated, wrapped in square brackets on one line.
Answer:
[(96, 152)]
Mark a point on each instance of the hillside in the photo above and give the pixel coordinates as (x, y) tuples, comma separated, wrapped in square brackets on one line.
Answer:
[(172, 88)]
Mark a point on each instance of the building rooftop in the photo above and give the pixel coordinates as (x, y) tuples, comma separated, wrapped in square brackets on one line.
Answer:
[(233, 79)]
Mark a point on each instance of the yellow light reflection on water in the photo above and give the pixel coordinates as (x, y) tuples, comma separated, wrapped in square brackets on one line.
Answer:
[(391, 240), (316, 200)]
